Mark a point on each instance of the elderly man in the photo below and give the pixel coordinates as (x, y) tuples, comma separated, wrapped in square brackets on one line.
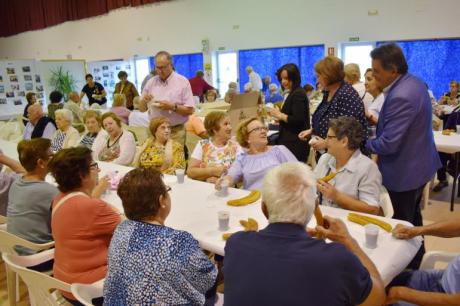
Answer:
[(274, 95), (7, 178), (283, 265), (254, 79), (39, 125), (168, 94), (357, 183), (404, 142), (199, 85), (74, 106), (266, 84)]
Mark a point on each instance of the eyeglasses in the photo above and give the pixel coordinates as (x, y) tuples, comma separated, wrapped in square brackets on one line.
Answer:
[(258, 129), (162, 67), (94, 165), (168, 189)]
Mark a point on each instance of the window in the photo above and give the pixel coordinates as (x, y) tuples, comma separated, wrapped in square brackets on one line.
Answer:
[(184, 64), (358, 53), (142, 70), (227, 70)]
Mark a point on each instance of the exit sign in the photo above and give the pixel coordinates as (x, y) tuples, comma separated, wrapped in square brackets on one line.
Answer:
[(353, 38)]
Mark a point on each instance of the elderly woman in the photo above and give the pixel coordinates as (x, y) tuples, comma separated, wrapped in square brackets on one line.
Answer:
[(55, 103), (353, 77), (66, 135), (339, 99), (168, 266), (126, 88), (160, 151), (119, 108), (82, 224), (31, 99), (294, 116), (267, 267), (453, 96), (116, 145), (251, 166), (231, 92), (373, 88), (211, 95), (357, 183), (212, 157), (248, 87), (274, 95), (93, 123)]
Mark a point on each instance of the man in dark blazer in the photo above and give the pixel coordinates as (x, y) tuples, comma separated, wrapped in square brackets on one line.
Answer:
[(407, 155)]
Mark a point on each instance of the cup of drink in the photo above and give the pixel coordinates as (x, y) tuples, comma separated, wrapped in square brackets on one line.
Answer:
[(223, 192), (372, 234), (458, 129), (224, 220), (180, 174)]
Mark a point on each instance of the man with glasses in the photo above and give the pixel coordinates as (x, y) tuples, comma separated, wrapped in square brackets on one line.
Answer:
[(168, 94)]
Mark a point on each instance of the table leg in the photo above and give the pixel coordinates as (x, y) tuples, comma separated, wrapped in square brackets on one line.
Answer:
[(454, 184)]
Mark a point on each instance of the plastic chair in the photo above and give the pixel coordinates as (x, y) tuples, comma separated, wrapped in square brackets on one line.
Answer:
[(3, 221), (42, 287), (385, 203), (7, 243), (431, 258), (85, 293), (140, 132)]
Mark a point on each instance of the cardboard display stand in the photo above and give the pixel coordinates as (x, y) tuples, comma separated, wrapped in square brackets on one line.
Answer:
[(244, 106)]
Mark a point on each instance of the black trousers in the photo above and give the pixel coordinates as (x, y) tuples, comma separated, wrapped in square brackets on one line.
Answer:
[(442, 172), (406, 206)]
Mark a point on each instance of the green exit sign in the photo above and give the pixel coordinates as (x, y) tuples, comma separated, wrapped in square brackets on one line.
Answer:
[(353, 38)]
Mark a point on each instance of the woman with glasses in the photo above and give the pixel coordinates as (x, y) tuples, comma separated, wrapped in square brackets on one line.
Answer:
[(82, 224), (294, 116), (150, 263), (250, 167)]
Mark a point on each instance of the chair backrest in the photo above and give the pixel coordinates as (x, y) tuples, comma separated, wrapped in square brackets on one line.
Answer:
[(85, 293), (8, 241), (42, 287), (190, 141), (140, 132), (3, 219), (385, 203)]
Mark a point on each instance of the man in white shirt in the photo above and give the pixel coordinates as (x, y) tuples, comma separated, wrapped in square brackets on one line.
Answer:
[(136, 117), (254, 79), (39, 125), (357, 183)]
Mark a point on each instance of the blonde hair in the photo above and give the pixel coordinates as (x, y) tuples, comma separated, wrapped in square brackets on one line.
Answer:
[(92, 114), (155, 123), (352, 72), (331, 68), (242, 132), (119, 100), (212, 121)]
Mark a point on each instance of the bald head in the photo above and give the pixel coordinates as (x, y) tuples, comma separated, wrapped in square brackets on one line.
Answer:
[(73, 96), (35, 112)]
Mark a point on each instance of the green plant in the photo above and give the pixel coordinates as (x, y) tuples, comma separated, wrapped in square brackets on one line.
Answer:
[(62, 81)]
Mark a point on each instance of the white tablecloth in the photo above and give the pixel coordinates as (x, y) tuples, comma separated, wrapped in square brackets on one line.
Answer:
[(195, 206), (447, 144)]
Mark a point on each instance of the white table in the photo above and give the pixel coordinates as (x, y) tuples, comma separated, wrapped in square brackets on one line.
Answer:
[(195, 206), (449, 144)]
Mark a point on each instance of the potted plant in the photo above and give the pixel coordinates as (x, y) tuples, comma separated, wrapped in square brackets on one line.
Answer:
[(62, 81)]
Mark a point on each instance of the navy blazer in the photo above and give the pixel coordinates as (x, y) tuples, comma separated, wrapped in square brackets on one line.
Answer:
[(405, 143)]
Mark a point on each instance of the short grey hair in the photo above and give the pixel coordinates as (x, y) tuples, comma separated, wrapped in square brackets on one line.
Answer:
[(352, 71), (67, 114), (166, 54), (249, 69), (289, 193), (273, 86)]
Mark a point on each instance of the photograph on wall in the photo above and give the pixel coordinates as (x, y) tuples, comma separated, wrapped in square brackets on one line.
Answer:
[(2, 101), (37, 78), (14, 87), (27, 77), (26, 69), (21, 94), (39, 95), (29, 86), (128, 67), (105, 67), (98, 78), (2, 89), (117, 67), (10, 71), (10, 94), (105, 75), (41, 102), (96, 70), (1, 78), (17, 102), (39, 87), (13, 78)]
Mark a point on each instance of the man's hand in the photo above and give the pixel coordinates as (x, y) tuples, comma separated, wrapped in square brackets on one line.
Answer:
[(335, 230), (165, 105), (404, 232), (394, 295)]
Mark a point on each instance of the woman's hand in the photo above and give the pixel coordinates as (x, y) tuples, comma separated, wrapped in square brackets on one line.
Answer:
[(218, 171), (327, 190), (101, 187), (318, 143), (304, 135), (218, 184), (404, 232)]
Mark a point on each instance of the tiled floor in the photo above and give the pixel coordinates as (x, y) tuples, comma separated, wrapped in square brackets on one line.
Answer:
[(438, 209)]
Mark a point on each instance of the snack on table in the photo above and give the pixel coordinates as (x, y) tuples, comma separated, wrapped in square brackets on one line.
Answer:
[(364, 220), (250, 198), (328, 177), (249, 225), (448, 132), (225, 236)]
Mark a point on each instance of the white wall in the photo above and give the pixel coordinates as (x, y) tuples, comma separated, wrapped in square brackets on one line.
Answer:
[(179, 26)]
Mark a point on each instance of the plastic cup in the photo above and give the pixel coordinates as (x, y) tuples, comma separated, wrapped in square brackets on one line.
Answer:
[(223, 192), (224, 219), (180, 175), (372, 234), (458, 129)]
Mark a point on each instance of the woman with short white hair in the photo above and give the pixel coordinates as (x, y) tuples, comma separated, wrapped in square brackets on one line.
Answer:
[(66, 136), (274, 95)]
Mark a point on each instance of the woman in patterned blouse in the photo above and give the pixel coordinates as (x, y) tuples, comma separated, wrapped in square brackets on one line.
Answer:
[(160, 151), (150, 263), (340, 99), (212, 157), (66, 136)]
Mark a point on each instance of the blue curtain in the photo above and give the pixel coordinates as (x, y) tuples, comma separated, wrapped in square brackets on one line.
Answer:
[(185, 64), (268, 61), (434, 61)]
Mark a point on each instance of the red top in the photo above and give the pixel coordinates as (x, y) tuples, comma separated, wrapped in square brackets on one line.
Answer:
[(199, 86), (82, 228)]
